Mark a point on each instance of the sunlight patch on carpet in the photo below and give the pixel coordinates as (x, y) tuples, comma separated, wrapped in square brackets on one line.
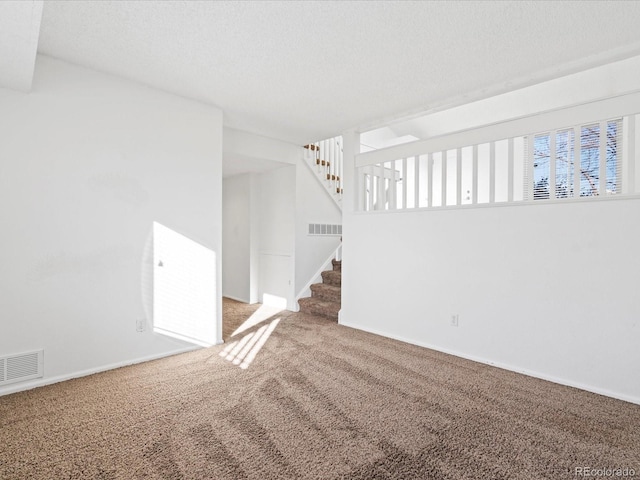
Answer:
[(260, 315), (242, 352)]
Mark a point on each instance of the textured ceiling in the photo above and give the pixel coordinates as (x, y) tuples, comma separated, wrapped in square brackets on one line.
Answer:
[(302, 71)]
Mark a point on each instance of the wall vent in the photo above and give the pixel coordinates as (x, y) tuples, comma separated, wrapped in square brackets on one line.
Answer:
[(21, 367), (325, 229)]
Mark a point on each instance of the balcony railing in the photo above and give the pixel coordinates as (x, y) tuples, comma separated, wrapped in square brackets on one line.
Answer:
[(584, 151)]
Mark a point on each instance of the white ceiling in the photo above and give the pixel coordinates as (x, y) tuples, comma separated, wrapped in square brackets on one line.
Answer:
[(303, 71), (236, 164)]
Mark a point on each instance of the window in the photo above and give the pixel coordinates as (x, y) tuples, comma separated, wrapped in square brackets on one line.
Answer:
[(585, 160), (563, 167)]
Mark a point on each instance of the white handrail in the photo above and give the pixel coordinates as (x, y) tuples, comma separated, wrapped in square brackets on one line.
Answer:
[(506, 163)]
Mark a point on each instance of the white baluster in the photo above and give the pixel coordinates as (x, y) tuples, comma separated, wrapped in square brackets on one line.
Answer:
[(430, 180), (319, 153), (340, 167), (603, 158), (416, 179), (631, 156), (577, 162), (458, 176), (492, 172), (332, 146), (510, 170), (443, 178), (474, 188), (552, 164)]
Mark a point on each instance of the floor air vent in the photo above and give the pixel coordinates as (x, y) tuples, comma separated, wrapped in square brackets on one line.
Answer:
[(21, 367)]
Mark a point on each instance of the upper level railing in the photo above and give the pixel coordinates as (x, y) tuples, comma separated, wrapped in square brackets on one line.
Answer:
[(583, 151)]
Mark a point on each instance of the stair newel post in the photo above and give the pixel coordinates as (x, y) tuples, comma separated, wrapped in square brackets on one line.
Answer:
[(337, 182), (328, 169), (330, 141), (326, 157), (328, 177), (350, 148), (340, 168), (327, 172), (334, 176), (350, 201)]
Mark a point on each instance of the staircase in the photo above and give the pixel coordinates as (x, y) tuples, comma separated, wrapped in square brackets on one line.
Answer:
[(325, 159), (325, 296)]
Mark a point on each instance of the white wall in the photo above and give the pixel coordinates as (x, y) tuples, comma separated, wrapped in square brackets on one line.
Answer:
[(87, 163), (240, 237), (279, 253), (545, 289), (236, 237), (313, 205), (550, 290), (259, 236), (276, 233), (246, 158), (265, 220)]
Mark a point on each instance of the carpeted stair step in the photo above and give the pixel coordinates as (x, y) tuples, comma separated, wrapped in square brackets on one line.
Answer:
[(332, 277), (337, 265), (325, 292), (316, 306)]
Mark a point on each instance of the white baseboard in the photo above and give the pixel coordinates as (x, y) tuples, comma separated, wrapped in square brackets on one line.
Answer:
[(237, 299), (41, 382), (504, 366)]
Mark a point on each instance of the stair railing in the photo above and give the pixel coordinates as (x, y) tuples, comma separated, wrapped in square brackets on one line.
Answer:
[(327, 156)]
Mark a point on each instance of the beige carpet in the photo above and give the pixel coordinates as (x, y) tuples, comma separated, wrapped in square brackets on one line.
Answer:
[(234, 315), (304, 398)]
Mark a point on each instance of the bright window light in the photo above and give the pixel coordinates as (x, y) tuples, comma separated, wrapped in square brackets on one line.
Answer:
[(184, 288), (274, 301), (242, 352), (259, 316)]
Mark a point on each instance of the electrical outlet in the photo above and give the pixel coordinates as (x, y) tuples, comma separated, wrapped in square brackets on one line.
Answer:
[(140, 324), (454, 320)]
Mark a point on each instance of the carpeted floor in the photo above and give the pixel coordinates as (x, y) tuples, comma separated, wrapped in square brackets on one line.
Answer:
[(234, 315), (300, 397)]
